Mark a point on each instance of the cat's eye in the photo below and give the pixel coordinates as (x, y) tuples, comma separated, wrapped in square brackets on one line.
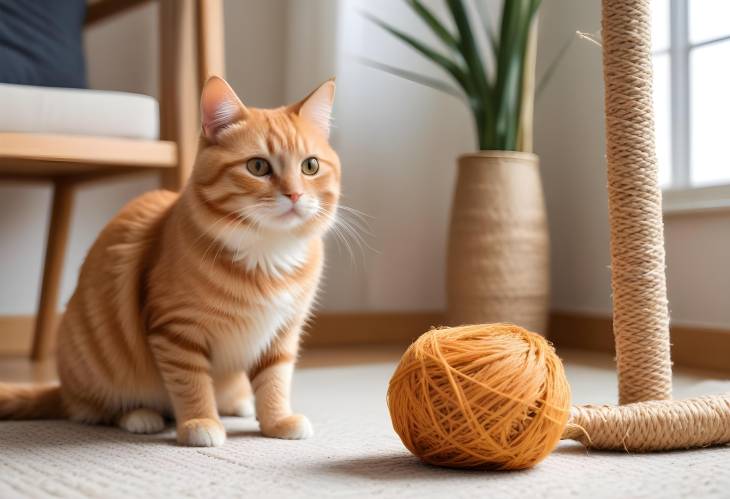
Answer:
[(310, 166), (258, 167)]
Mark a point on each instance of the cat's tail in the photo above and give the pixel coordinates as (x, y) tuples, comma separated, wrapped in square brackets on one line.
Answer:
[(31, 402)]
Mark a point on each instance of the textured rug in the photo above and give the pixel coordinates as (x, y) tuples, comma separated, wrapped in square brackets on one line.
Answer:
[(353, 454)]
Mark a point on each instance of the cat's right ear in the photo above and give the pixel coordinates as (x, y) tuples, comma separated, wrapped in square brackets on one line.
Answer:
[(220, 107)]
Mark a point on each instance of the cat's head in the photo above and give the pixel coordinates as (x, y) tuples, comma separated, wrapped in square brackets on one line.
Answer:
[(271, 170)]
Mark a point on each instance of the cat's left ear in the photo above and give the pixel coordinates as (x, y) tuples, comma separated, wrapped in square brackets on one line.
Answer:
[(317, 106), (220, 107)]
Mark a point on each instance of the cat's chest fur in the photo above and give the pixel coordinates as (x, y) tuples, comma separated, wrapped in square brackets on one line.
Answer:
[(241, 346), (259, 320)]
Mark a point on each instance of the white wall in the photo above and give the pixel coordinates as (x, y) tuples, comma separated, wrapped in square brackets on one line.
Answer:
[(398, 142), (569, 139)]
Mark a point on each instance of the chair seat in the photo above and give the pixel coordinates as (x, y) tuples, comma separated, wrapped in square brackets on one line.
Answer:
[(46, 110)]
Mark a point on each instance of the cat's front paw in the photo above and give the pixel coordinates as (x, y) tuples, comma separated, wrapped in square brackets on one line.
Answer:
[(294, 427), (201, 432), (243, 408), (142, 421)]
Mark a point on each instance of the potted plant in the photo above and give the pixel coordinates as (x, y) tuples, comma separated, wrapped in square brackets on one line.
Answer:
[(497, 269)]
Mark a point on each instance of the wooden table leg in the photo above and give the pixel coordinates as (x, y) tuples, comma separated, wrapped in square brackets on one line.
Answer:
[(45, 326)]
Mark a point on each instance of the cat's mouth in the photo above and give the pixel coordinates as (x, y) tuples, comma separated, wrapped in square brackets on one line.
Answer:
[(290, 213)]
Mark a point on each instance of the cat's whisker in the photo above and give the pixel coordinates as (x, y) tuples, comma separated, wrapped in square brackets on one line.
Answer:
[(348, 233), (354, 236), (214, 240), (354, 229), (329, 217), (355, 212), (356, 224), (217, 242), (357, 217), (239, 214), (241, 217), (343, 239)]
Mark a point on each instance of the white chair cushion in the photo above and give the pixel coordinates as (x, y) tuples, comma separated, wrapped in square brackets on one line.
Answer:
[(28, 109)]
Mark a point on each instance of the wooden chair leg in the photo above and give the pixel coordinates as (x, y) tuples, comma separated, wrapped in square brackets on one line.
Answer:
[(211, 46), (179, 89), (45, 325)]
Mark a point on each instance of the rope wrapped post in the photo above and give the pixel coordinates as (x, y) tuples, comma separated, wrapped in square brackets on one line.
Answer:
[(658, 425), (648, 421), (640, 315)]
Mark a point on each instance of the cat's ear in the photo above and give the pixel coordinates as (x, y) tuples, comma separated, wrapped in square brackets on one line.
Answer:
[(219, 107), (317, 106)]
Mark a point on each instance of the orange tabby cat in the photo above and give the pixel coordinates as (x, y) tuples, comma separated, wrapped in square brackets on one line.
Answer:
[(185, 298)]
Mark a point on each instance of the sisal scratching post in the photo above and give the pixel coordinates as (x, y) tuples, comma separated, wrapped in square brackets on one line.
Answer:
[(640, 315), (657, 425), (648, 421)]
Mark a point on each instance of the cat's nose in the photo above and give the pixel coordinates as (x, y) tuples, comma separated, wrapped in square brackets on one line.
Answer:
[(294, 196)]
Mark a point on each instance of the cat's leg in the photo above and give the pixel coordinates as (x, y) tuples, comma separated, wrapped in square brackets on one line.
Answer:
[(271, 382), (142, 421), (234, 395), (185, 367), (83, 401)]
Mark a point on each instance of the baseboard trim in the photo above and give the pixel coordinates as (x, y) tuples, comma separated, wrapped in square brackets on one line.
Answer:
[(16, 334), (694, 347), (328, 329), (367, 328)]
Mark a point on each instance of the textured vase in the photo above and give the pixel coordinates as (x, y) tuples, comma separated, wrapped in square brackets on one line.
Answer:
[(498, 249)]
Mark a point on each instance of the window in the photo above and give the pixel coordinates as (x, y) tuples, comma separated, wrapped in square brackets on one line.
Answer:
[(692, 93)]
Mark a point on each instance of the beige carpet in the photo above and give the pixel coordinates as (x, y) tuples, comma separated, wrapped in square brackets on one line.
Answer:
[(354, 454)]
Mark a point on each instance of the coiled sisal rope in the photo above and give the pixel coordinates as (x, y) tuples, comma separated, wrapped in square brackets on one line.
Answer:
[(649, 421)]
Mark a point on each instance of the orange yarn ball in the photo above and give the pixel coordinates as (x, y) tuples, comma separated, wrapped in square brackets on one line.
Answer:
[(490, 396)]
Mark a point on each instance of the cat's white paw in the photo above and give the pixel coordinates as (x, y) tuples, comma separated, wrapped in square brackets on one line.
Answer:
[(294, 427), (142, 421), (243, 409), (201, 433)]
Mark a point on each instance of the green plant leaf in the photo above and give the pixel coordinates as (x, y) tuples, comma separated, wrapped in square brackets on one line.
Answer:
[(414, 77), (432, 22), (447, 64), (488, 30), (476, 73), (517, 18), (496, 104)]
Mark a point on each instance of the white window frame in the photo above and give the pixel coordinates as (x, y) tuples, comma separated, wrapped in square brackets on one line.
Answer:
[(680, 196)]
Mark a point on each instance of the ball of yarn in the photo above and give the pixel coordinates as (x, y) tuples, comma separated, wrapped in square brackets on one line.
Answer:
[(491, 396)]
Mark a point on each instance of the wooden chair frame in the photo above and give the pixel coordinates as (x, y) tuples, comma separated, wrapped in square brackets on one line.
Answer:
[(191, 49)]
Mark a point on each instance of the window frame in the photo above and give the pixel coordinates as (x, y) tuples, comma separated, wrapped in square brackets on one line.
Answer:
[(680, 196)]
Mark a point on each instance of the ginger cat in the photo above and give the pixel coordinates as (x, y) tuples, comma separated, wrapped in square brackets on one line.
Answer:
[(184, 298)]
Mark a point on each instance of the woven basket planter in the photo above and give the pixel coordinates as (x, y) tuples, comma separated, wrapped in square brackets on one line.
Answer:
[(498, 253)]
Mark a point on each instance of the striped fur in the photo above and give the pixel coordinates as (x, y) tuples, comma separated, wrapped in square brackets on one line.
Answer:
[(184, 298)]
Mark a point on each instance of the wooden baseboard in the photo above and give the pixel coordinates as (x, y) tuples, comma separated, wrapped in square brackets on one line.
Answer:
[(694, 347), (581, 331), (328, 329), (368, 328), (16, 334)]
